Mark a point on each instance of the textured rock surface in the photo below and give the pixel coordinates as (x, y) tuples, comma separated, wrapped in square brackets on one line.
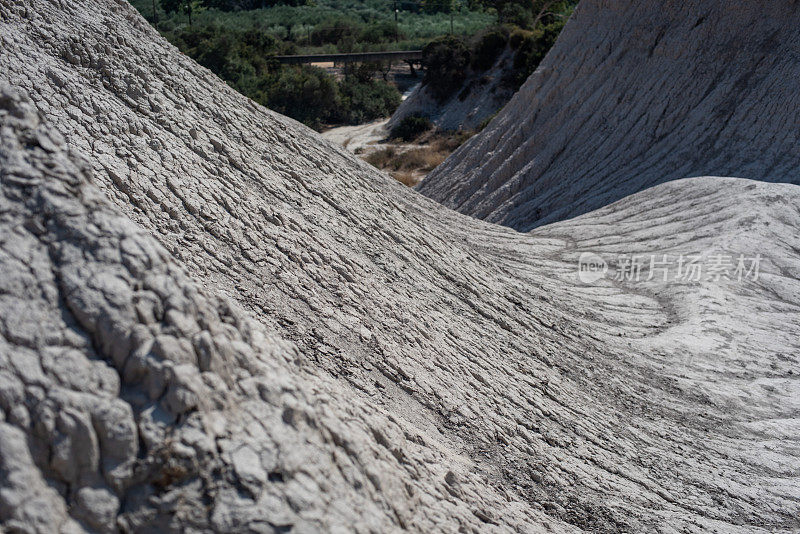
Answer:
[(635, 94), (133, 399), (212, 319)]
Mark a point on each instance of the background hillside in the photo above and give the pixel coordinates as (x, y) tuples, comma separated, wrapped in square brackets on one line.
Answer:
[(324, 26), (237, 40)]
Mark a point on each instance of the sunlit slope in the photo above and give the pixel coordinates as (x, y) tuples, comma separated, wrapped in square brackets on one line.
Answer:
[(214, 319)]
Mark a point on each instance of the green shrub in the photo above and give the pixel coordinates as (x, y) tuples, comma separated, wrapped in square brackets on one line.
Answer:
[(446, 61), (214, 54), (234, 5), (307, 94), (335, 31), (362, 72), (531, 48), (517, 15), (366, 101), (411, 127), (380, 32), (438, 6), (485, 122), (487, 48), (519, 36)]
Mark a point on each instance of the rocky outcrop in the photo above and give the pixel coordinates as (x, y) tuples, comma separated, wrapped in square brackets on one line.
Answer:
[(635, 94), (213, 320)]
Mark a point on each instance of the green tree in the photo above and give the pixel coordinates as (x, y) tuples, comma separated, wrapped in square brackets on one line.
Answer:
[(364, 101), (307, 94), (335, 31), (446, 62), (438, 6), (488, 47), (188, 7), (528, 13), (172, 6)]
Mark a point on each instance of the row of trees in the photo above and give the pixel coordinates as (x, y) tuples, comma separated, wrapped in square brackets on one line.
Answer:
[(173, 6), (191, 7), (506, 9), (308, 94), (429, 6)]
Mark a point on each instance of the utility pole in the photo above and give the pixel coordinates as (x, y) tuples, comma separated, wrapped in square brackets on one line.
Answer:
[(155, 13), (396, 27)]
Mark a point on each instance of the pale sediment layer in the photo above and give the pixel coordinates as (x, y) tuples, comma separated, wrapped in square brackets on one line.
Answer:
[(213, 320)]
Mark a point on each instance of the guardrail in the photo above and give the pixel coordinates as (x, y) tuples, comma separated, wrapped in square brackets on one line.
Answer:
[(399, 55)]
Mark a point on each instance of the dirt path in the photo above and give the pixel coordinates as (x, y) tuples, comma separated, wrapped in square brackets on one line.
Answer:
[(360, 139)]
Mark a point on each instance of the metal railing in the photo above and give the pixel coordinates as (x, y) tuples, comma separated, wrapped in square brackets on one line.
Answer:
[(396, 55)]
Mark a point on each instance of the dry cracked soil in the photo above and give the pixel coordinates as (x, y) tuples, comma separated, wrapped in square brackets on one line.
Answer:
[(213, 320)]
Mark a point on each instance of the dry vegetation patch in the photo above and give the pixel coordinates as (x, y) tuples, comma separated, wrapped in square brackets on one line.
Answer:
[(409, 164)]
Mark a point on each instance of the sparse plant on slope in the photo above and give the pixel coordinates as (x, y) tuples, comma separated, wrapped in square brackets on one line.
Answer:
[(411, 127), (410, 165)]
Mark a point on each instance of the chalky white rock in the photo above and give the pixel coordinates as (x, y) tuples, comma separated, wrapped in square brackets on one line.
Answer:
[(213, 320)]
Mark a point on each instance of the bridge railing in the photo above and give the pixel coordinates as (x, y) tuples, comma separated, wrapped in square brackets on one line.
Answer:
[(394, 55)]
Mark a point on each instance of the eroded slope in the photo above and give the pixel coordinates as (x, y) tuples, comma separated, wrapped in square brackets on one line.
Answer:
[(446, 374), (632, 95), (134, 399)]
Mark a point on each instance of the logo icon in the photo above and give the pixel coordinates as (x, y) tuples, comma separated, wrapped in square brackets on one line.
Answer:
[(591, 268)]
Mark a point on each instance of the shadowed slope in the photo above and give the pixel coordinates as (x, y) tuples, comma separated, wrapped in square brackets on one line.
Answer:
[(632, 95)]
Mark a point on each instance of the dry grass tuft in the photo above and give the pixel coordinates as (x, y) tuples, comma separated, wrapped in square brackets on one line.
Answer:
[(406, 178), (383, 158), (410, 165)]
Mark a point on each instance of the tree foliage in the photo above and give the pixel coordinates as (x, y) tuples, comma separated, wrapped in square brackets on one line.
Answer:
[(230, 5), (439, 6), (308, 94), (446, 61), (530, 31), (411, 127), (531, 48), (488, 46)]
